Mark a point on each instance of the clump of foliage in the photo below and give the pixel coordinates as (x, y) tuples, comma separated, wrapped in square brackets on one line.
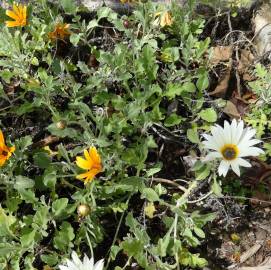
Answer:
[(122, 84)]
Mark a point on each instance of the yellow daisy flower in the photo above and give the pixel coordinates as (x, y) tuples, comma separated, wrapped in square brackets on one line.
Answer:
[(5, 151), (92, 163), (18, 13), (61, 31)]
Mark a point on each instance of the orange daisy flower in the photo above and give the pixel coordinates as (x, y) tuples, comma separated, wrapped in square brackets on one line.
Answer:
[(18, 13), (5, 151), (61, 31), (163, 18), (92, 163)]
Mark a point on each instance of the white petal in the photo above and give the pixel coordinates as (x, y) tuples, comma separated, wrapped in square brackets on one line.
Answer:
[(248, 133), (217, 138), (210, 145), (99, 265), (211, 156), (227, 133), (62, 267), (243, 162), (238, 132), (248, 143), (72, 266), (223, 168), (250, 151), (76, 259), (235, 167), (91, 261)]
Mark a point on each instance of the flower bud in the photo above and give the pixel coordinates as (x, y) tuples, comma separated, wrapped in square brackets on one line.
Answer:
[(126, 23), (83, 210), (61, 124)]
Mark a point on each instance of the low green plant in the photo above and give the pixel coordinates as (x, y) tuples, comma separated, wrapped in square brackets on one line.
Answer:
[(139, 70)]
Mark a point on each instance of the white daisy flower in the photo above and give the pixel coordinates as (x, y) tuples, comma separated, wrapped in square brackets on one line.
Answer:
[(86, 264), (231, 144)]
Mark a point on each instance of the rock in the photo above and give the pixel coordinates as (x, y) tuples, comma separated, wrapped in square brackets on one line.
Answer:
[(262, 25)]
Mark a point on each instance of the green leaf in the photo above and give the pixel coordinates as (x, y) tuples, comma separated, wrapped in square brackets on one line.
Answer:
[(114, 250), (6, 222), (104, 12), (216, 188), (58, 206), (75, 38), (208, 115), (150, 194), (173, 120), (22, 182), (42, 160), (173, 90), (203, 82), (28, 239), (49, 178), (50, 259), (153, 171), (163, 245), (69, 6), (28, 195), (203, 172), (41, 219), (63, 238), (199, 232), (189, 87), (192, 135), (92, 24), (132, 246)]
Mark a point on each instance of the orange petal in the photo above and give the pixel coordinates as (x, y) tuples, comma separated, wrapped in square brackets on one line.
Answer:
[(2, 160), (92, 173), (12, 15), (95, 157), (88, 176), (83, 175), (84, 164)]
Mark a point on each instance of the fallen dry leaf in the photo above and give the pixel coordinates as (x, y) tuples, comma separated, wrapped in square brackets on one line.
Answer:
[(231, 110), (220, 54), (245, 63), (222, 85)]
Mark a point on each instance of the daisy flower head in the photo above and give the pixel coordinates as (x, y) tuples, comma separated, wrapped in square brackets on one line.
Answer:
[(76, 264), (163, 19), (61, 31), (231, 144), (5, 151), (18, 14), (92, 164)]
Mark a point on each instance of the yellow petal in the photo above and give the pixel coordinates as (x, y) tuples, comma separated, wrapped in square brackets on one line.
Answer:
[(87, 156), (84, 164), (12, 15), (24, 12), (16, 9), (2, 140), (12, 23), (95, 157), (12, 149)]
